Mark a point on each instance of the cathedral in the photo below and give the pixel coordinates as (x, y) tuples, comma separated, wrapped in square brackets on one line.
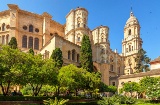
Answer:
[(43, 35)]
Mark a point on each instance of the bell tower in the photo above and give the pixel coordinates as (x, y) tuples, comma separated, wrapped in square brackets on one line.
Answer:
[(131, 43)]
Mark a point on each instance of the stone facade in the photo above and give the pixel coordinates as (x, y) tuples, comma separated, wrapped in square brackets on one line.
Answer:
[(43, 34)]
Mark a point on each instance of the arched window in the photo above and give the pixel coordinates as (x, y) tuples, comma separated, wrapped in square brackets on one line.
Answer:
[(30, 28), (3, 39), (36, 43), (78, 39), (78, 25), (84, 25), (111, 67), (30, 42), (77, 57), (73, 55), (129, 32), (3, 27), (129, 48), (102, 39), (69, 54), (7, 38), (24, 41)]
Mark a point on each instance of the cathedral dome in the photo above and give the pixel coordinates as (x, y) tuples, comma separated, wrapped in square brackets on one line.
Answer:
[(132, 20)]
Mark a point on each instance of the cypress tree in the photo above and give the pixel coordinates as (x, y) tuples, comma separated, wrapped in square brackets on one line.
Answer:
[(31, 51), (13, 43), (142, 61), (57, 57), (86, 54)]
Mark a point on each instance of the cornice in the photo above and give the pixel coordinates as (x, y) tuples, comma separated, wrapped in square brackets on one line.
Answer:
[(30, 13), (6, 12), (100, 27)]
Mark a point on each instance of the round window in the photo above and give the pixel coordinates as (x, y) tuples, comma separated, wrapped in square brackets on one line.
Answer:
[(25, 27), (37, 30)]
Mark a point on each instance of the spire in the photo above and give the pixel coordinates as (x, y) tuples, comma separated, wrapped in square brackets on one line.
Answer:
[(131, 13)]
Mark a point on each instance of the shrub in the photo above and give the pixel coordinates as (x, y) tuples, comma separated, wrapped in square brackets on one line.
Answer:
[(55, 101)]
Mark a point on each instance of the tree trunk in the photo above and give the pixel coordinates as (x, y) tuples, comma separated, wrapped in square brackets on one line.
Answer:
[(5, 91)]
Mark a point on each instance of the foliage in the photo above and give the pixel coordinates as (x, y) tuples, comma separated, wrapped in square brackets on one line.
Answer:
[(86, 54), (13, 43), (103, 87), (142, 61), (153, 91), (55, 101), (47, 90), (147, 82), (78, 78), (31, 51), (26, 90), (131, 87), (116, 100), (57, 57), (112, 88), (71, 77), (10, 59), (109, 101)]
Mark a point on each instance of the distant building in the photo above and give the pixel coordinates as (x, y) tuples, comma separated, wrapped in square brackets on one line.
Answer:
[(43, 35)]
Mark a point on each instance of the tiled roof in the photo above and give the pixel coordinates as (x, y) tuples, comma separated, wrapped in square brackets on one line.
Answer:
[(155, 60), (142, 74)]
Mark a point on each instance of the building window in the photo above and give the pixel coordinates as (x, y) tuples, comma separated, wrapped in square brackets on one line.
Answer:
[(7, 38), (113, 83), (79, 39), (126, 49), (37, 30), (3, 27), (78, 24), (73, 55), (36, 43), (129, 48), (69, 54), (77, 57), (102, 39), (3, 39), (111, 67), (30, 42), (84, 25), (25, 27), (132, 48), (30, 28), (24, 41), (129, 32)]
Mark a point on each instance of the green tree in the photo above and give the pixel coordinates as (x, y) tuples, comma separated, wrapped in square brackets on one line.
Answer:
[(13, 43), (9, 69), (146, 83), (131, 87), (153, 91), (31, 51), (57, 57), (71, 77), (86, 54), (39, 72), (142, 61), (112, 89)]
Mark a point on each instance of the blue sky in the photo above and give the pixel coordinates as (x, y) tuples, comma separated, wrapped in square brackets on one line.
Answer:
[(112, 13)]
